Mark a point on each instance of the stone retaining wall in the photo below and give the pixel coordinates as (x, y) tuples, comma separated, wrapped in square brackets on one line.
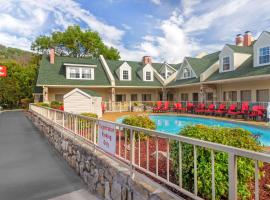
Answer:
[(109, 178)]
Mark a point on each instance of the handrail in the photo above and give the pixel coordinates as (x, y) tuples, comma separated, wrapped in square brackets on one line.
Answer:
[(70, 122)]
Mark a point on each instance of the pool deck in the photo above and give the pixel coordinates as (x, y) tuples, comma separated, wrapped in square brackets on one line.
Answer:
[(113, 116)]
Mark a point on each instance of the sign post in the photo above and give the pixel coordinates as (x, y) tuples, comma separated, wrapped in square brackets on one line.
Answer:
[(3, 71), (107, 137)]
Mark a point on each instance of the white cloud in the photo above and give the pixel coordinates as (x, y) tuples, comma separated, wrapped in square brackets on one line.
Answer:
[(172, 46), (188, 6), (205, 20), (15, 41), (33, 19), (193, 27), (203, 27), (157, 2)]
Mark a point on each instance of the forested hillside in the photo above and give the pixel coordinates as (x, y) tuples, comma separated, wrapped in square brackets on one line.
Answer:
[(16, 89)]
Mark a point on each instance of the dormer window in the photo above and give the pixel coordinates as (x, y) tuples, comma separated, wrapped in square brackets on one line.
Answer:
[(186, 73), (148, 76), (264, 56), (74, 73), (85, 73), (124, 72), (125, 75), (226, 63)]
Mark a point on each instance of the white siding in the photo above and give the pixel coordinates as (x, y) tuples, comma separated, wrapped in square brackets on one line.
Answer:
[(77, 103), (226, 52), (263, 41)]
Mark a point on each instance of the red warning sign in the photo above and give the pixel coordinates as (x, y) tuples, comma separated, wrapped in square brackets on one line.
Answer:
[(3, 71)]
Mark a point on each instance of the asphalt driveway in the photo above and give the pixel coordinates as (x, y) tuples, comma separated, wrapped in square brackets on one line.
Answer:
[(30, 168)]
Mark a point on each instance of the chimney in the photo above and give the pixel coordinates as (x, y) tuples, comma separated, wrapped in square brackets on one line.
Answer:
[(52, 56), (239, 40), (248, 39), (147, 60)]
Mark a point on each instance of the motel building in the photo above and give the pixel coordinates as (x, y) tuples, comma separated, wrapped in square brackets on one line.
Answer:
[(238, 72)]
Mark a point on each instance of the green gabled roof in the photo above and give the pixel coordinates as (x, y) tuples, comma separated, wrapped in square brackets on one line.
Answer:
[(176, 66), (135, 78), (245, 70), (55, 74), (157, 66), (91, 92), (184, 81), (199, 65), (212, 56), (241, 49)]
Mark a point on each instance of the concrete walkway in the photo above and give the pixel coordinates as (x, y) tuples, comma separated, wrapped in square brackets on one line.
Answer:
[(30, 168)]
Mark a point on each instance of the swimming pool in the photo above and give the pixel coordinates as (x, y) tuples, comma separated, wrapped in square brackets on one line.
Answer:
[(174, 124)]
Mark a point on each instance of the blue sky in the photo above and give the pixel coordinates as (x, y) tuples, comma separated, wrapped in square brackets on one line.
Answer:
[(167, 30)]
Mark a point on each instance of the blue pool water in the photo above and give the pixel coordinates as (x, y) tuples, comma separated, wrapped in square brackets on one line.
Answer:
[(174, 124)]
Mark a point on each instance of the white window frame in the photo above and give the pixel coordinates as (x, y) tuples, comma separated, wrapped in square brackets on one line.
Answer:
[(122, 75), (229, 59), (77, 71), (258, 53), (151, 75), (91, 70), (188, 71)]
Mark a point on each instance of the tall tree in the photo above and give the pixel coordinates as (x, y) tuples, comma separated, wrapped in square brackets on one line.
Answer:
[(18, 84), (75, 42)]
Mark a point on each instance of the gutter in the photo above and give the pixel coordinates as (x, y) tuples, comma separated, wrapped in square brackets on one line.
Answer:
[(239, 79), (91, 86)]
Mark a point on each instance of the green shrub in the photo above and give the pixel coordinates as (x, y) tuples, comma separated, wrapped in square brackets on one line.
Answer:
[(93, 115), (142, 121), (43, 104), (56, 104), (235, 137), (25, 102)]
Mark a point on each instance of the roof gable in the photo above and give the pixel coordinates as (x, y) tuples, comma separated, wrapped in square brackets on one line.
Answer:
[(240, 49), (136, 69), (55, 74), (85, 92), (119, 70)]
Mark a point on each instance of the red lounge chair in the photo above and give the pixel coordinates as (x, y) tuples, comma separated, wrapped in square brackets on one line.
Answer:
[(232, 111), (256, 112), (210, 110), (244, 109), (166, 107), (190, 107), (158, 107), (200, 109), (221, 111), (178, 107)]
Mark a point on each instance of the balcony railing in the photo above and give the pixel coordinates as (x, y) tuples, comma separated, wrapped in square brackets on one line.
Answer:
[(146, 156)]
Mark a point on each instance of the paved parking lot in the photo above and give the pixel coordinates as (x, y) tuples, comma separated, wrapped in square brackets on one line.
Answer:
[(30, 168)]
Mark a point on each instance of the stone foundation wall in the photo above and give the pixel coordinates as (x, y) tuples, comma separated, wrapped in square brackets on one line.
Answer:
[(109, 178)]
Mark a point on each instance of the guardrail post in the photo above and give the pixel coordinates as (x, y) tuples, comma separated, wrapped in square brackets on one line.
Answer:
[(76, 125), (63, 124), (55, 116), (232, 177), (95, 135), (132, 152)]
